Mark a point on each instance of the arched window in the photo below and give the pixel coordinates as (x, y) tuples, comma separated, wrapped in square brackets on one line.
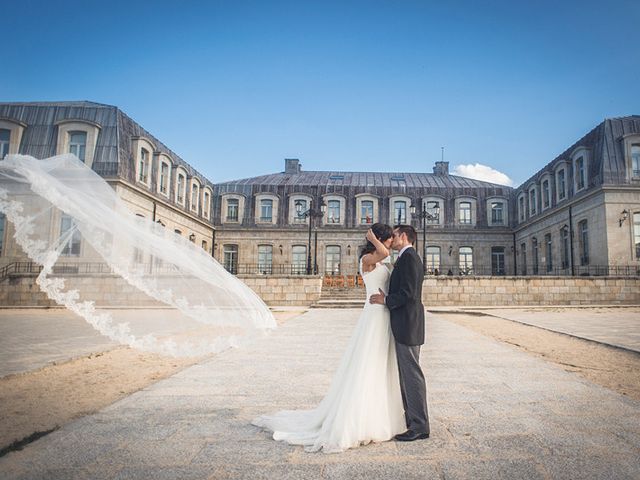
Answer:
[(195, 196), (181, 187), (546, 194), (143, 166), (581, 174)]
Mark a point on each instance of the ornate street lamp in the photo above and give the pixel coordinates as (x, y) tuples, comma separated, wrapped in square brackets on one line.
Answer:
[(311, 214), (424, 216)]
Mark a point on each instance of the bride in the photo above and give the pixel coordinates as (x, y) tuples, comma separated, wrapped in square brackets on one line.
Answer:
[(364, 403)]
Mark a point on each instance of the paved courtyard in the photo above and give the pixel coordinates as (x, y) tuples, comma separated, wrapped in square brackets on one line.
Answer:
[(496, 412)]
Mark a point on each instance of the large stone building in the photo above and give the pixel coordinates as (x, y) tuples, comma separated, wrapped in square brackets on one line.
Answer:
[(153, 181), (578, 215)]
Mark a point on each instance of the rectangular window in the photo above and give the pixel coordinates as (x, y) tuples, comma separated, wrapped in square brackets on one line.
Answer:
[(332, 263), (300, 208), (548, 251), (230, 254), (636, 233), (265, 259), (143, 166), (299, 259), (433, 209), (497, 217), (78, 144), (562, 184), (583, 232), (194, 197), (532, 201), (534, 252), (205, 247), (546, 194), (466, 261), (266, 210), (635, 161), (400, 212), (366, 212), (72, 246), (564, 238), (181, 187), (497, 261), (521, 213), (465, 213), (433, 260), (523, 256), (580, 173), (205, 205), (232, 209), (2, 228), (164, 178), (333, 211), (5, 137)]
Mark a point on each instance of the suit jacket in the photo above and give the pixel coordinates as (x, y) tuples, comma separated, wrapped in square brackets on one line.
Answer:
[(404, 299)]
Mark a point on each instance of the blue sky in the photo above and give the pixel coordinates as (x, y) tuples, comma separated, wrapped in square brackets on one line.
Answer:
[(235, 87)]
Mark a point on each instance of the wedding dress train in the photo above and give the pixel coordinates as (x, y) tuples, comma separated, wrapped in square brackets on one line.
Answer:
[(364, 403)]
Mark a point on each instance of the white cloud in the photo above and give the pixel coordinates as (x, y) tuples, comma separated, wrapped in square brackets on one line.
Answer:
[(484, 173)]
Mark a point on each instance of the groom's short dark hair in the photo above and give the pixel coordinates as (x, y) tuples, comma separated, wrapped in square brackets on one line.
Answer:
[(408, 230)]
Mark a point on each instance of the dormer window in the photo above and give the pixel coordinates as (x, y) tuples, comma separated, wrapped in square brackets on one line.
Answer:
[(206, 200), (143, 166), (561, 184), (195, 196), (5, 137), (433, 209), (497, 213), (266, 210), (366, 212), (400, 211), (465, 213), (546, 194), (635, 161), (181, 185), (522, 214), (233, 205), (581, 174), (78, 144), (333, 211), (164, 174), (533, 200)]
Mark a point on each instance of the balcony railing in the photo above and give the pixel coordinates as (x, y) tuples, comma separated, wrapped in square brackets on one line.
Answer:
[(266, 269)]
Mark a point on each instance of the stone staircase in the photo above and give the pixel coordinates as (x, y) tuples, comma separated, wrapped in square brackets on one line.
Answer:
[(341, 297)]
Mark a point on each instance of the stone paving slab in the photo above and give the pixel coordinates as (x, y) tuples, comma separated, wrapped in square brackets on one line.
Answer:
[(496, 413), (619, 326), (33, 338)]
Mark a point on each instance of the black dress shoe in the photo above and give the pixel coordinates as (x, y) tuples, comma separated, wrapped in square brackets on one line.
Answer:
[(410, 436)]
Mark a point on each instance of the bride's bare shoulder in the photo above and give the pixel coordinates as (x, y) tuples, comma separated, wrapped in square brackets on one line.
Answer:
[(368, 263)]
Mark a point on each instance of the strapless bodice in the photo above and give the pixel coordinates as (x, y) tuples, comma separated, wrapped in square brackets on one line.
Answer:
[(378, 278)]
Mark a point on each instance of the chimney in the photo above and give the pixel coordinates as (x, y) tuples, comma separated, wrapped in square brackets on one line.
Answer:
[(292, 165), (441, 168)]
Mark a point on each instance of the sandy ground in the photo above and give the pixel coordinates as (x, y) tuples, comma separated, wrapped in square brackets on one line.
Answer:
[(610, 367), (47, 398)]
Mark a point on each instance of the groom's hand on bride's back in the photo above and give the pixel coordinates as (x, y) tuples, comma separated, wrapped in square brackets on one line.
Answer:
[(377, 297)]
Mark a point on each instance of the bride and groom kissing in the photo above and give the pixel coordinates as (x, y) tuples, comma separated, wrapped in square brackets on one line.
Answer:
[(378, 391)]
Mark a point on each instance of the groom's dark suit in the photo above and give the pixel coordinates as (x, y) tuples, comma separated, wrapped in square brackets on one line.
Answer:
[(404, 301)]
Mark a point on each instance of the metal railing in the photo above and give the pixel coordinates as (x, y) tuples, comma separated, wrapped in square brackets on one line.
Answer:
[(541, 270)]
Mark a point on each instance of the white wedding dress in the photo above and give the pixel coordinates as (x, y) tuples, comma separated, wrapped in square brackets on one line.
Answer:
[(364, 403)]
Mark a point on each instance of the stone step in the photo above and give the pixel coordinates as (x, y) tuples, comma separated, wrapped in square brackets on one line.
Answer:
[(327, 303)]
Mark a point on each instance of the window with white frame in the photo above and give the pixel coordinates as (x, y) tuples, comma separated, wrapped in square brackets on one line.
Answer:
[(583, 242), (230, 258), (636, 233), (581, 173), (233, 207), (266, 210), (181, 187), (366, 212), (72, 245), (433, 260), (206, 202), (195, 196), (265, 259), (78, 144), (5, 139), (333, 211), (561, 183), (546, 194), (433, 209), (400, 211), (465, 260), (635, 161), (143, 166), (300, 205), (165, 176), (497, 213), (533, 200), (464, 213), (299, 259), (332, 260)]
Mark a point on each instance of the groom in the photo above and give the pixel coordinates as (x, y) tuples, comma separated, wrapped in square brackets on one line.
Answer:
[(404, 302)]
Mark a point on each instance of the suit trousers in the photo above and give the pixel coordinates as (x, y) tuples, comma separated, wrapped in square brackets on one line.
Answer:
[(413, 388)]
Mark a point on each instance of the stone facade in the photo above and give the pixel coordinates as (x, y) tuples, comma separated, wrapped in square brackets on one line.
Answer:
[(285, 289), (521, 291)]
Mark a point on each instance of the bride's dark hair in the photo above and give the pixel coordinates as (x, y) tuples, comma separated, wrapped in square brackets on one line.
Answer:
[(382, 231)]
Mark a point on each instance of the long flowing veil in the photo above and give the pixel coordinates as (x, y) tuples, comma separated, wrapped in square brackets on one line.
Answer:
[(133, 280)]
